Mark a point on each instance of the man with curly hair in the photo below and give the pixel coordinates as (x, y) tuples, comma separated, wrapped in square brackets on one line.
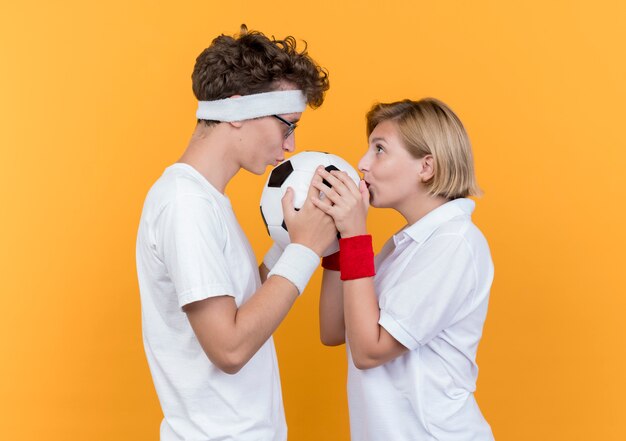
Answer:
[(208, 311)]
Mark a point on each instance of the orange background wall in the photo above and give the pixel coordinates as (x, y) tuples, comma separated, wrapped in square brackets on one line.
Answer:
[(95, 101)]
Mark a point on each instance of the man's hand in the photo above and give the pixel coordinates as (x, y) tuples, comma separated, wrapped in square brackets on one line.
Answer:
[(308, 226)]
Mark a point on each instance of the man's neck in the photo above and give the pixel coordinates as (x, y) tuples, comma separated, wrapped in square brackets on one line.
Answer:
[(209, 153)]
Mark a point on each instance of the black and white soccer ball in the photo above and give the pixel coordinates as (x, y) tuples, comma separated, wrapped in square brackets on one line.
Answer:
[(296, 173)]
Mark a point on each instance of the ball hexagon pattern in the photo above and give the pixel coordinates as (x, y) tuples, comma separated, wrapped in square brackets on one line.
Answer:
[(296, 172)]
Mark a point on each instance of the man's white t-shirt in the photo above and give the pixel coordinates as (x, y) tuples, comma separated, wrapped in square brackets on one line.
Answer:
[(190, 247), (432, 280)]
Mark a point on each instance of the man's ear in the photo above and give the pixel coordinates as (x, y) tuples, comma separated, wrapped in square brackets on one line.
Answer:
[(426, 168), (235, 123)]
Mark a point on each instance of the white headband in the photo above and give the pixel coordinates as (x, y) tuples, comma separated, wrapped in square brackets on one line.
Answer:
[(252, 106)]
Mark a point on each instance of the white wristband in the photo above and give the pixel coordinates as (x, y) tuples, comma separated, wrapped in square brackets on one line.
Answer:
[(297, 265), (272, 256)]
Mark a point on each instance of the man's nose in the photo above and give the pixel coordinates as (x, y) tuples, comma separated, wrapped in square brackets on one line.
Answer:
[(289, 144)]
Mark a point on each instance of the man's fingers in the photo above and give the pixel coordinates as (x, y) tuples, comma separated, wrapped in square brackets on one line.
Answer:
[(287, 202), (312, 189)]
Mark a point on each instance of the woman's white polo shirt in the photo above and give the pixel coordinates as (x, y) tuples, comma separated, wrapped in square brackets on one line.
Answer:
[(433, 280)]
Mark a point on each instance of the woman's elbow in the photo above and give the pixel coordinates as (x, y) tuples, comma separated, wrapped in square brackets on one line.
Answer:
[(332, 338), (364, 362)]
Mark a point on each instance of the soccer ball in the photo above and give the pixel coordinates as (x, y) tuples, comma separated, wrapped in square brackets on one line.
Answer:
[(296, 173)]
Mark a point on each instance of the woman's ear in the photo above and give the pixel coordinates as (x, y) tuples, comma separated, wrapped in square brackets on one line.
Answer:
[(427, 168)]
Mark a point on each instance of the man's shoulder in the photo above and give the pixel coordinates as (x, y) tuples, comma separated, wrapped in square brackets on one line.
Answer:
[(178, 189), (181, 179), (178, 182)]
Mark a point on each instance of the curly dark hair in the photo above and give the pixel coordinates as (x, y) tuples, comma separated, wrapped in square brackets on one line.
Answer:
[(252, 63)]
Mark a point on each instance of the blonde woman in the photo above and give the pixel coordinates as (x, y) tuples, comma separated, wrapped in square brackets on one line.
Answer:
[(412, 316)]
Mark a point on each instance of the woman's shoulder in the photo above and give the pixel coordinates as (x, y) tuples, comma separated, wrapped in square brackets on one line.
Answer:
[(460, 233)]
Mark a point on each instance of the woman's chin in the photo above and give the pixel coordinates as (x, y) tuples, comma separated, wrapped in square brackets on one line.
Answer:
[(373, 202)]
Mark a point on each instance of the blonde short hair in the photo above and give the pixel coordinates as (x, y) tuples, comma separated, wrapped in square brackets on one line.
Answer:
[(430, 127)]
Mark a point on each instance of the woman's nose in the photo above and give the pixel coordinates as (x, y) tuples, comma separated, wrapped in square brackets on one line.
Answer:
[(363, 164)]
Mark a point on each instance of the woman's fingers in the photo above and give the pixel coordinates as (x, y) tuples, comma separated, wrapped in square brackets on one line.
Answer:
[(333, 181), (340, 182), (365, 194), (329, 192), (346, 181), (323, 205)]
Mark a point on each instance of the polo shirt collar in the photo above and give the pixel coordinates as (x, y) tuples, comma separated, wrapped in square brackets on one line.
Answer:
[(424, 227)]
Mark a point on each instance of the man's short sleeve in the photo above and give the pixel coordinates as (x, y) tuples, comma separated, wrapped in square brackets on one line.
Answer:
[(437, 285), (191, 240)]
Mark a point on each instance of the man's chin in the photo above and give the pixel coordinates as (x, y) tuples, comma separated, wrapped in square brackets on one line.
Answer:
[(257, 170)]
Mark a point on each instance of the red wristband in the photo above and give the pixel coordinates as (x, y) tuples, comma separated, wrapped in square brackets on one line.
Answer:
[(356, 257), (331, 262)]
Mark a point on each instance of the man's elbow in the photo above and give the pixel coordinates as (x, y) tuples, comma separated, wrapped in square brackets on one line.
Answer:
[(230, 369), (229, 363)]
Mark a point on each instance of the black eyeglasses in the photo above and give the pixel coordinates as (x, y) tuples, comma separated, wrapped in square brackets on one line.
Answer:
[(291, 125)]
